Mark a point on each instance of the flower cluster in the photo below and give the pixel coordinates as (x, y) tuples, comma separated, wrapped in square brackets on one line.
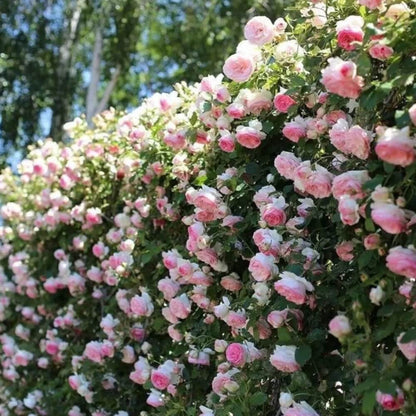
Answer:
[(240, 246)]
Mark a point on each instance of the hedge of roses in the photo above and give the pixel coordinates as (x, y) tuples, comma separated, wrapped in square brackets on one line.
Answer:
[(236, 247)]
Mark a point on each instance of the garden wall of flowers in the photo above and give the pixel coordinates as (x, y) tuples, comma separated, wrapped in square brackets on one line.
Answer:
[(241, 246)]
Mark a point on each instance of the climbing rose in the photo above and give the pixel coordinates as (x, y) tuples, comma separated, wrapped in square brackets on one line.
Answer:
[(238, 67)]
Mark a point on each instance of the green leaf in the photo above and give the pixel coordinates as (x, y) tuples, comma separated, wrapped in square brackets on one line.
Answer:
[(388, 387), (369, 400), (369, 225), (410, 335), (303, 354), (258, 398), (386, 328), (365, 258), (252, 168), (283, 334), (372, 183), (388, 168), (267, 126)]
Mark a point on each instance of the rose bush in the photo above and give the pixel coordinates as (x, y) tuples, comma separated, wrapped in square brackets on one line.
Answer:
[(232, 247)]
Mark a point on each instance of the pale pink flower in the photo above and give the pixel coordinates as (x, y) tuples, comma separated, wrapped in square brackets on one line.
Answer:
[(380, 51), (292, 287), (262, 267), (259, 30), (407, 348), (395, 146), (389, 217), (389, 402), (339, 326), (402, 261), (238, 67), (340, 77), (349, 31), (283, 359)]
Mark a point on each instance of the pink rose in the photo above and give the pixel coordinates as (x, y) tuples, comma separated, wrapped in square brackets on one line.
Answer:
[(238, 67), (408, 348), (350, 183), (160, 379), (339, 326), (141, 371), (295, 130), (293, 287), (236, 354), (344, 250), (395, 147), (249, 137), (319, 183), (155, 399), (236, 110), (283, 359), (389, 217), (286, 163), (258, 101), (262, 267), (168, 287), (227, 143), (231, 283), (277, 318), (273, 213), (180, 306), (236, 320), (372, 241), (259, 30), (282, 102), (371, 4), (142, 305), (348, 209), (341, 78), (412, 113), (389, 402), (380, 51), (93, 351), (402, 261), (349, 31), (267, 241), (300, 409)]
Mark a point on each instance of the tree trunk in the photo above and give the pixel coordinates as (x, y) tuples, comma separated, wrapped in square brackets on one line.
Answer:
[(63, 95)]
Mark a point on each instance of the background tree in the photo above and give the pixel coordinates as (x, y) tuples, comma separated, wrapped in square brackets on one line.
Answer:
[(61, 58)]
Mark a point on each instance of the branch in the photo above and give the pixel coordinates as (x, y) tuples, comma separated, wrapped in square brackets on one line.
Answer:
[(107, 93), (92, 94)]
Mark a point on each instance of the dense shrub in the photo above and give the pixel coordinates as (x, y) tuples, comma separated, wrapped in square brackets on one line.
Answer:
[(230, 248)]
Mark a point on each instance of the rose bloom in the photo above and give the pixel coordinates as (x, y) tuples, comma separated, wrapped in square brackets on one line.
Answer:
[(160, 379), (227, 143), (295, 130), (293, 287), (341, 78), (389, 402), (380, 51), (257, 101), (371, 4), (273, 214), (277, 318), (300, 409), (236, 354), (389, 217), (238, 67), (180, 306), (267, 241), (282, 102), (402, 261), (349, 31), (372, 241), (412, 113), (231, 283), (155, 399), (395, 147), (262, 267), (249, 137), (319, 183), (408, 349), (344, 250), (259, 30), (283, 359), (339, 326), (348, 209), (286, 163), (350, 183)]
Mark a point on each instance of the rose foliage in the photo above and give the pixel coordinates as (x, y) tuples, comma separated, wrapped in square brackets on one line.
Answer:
[(240, 247)]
